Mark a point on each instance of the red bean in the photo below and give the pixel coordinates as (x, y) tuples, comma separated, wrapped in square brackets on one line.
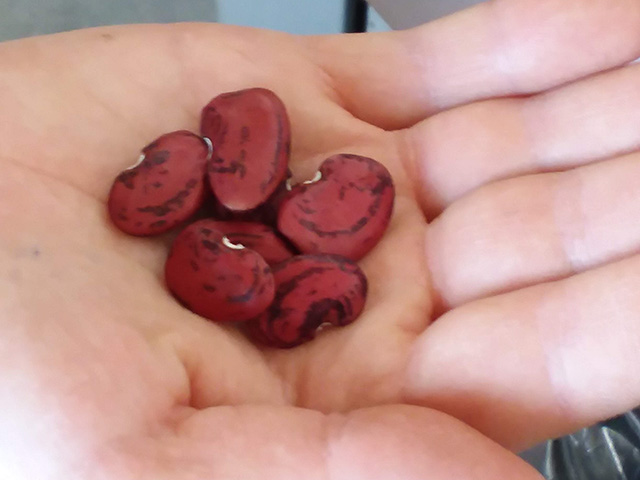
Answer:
[(345, 211), (258, 237), (250, 133), (311, 290), (266, 213), (216, 279), (238, 173), (164, 189)]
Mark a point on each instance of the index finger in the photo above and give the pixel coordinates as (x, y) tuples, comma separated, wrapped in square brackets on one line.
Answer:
[(497, 48)]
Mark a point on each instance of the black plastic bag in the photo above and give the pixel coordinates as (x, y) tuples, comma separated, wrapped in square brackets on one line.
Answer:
[(609, 450)]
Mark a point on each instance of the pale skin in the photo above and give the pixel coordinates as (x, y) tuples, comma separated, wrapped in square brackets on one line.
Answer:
[(511, 130)]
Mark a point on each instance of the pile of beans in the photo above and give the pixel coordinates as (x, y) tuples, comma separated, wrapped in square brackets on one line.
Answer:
[(280, 258)]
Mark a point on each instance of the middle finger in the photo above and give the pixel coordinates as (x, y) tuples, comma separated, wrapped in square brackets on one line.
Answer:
[(535, 228)]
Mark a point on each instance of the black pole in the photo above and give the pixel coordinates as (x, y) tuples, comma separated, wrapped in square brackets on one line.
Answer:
[(355, 16)]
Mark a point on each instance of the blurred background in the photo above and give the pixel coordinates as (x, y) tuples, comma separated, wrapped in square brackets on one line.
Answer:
[(23, 18)]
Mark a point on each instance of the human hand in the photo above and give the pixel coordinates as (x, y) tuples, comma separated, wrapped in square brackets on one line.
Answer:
[(106, 376)]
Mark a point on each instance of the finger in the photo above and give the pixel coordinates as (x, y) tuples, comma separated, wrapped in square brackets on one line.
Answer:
[(461, 149), (537, 363), (286, 443), (531, 229), (497, 48)]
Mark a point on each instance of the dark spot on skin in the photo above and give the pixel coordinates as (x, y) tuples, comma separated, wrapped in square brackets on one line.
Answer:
[(194, 266), (123, 217), (192, 183), (106, 36), (157, 184), (209, 288), (342, 192), (35, 252), (313, 292), (164, 171), (222, 278)]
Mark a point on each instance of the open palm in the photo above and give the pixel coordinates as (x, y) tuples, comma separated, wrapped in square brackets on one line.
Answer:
[(526, 262)]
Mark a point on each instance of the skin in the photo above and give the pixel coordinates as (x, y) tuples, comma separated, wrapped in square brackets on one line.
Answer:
[(511, 133)]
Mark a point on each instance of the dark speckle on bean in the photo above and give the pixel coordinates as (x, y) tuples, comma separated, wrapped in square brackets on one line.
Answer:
[(158, 224)]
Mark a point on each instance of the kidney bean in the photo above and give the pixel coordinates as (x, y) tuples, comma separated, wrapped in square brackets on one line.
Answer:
[(344, 211), (216, 279), (311, 290), (164, 188), (258, 237), (266, 213), (250, 133)]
